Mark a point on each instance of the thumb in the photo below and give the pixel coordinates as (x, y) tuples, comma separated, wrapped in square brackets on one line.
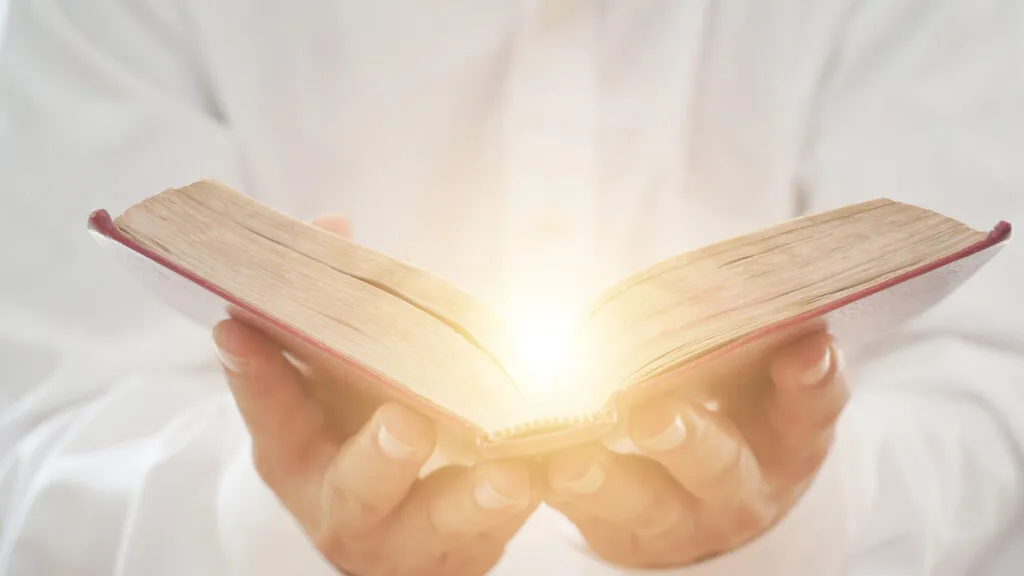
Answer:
[(335, 224)]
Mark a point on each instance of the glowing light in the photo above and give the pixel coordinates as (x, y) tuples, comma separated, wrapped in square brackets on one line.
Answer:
[(543, 338)]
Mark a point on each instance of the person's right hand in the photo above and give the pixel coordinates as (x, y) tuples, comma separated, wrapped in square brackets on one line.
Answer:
[(361, 500)]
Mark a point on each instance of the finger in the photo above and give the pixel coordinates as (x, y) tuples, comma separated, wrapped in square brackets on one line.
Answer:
[(338, 225), (623, 547), (286, 426), (611, 542), (628, 492), (504, 530), (809, 395), (455, 504), (373, 472), (702, 450), (476, 555)]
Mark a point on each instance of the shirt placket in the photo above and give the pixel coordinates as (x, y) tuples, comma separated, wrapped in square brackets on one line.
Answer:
[(549, 202)]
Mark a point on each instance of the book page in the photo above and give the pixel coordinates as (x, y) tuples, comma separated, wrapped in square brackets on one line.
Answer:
[(696, 302), (377, 330)]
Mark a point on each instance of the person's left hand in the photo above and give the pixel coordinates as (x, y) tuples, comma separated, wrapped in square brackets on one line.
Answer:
[(708, 481)]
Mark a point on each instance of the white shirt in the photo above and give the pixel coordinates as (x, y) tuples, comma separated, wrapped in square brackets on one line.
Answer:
[(522, 150)]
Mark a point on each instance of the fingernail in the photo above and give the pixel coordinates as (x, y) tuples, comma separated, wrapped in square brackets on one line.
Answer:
[(392, 447), (668, 438), (488, 497), (620, 443), (813, 375), (588, 483), (227, 360)]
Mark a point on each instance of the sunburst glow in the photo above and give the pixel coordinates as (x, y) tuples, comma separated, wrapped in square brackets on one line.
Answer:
[(543, 338)]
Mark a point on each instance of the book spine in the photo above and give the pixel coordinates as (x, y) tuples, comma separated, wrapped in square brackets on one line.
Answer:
[(550, 425), (546, 435)]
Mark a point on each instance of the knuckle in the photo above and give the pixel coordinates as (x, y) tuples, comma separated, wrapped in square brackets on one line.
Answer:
[(347, 550), (795, 474), (732, 487), (655, 553), (657, 517), (446, 530), (799, 430), (645, 516), (267, 467), (670, 551), (824, 443), (842, 398), (276, 469), (720, 479), (332, 544), (724, 531), (808, 466), (475, 557), (750, 519), (831, 408), (434, 522), (619, 553), (352, 512)]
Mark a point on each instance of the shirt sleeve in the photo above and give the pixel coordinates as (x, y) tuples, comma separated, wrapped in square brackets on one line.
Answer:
[(120, 449), (921, 102)]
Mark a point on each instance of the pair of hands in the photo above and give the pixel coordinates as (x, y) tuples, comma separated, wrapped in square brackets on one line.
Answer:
[(705, 480)]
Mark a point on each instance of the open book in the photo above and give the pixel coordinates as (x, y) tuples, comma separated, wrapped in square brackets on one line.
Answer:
[(400, 332)]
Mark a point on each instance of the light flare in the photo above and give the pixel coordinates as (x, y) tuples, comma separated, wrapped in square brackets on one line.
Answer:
[(544, 342)]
